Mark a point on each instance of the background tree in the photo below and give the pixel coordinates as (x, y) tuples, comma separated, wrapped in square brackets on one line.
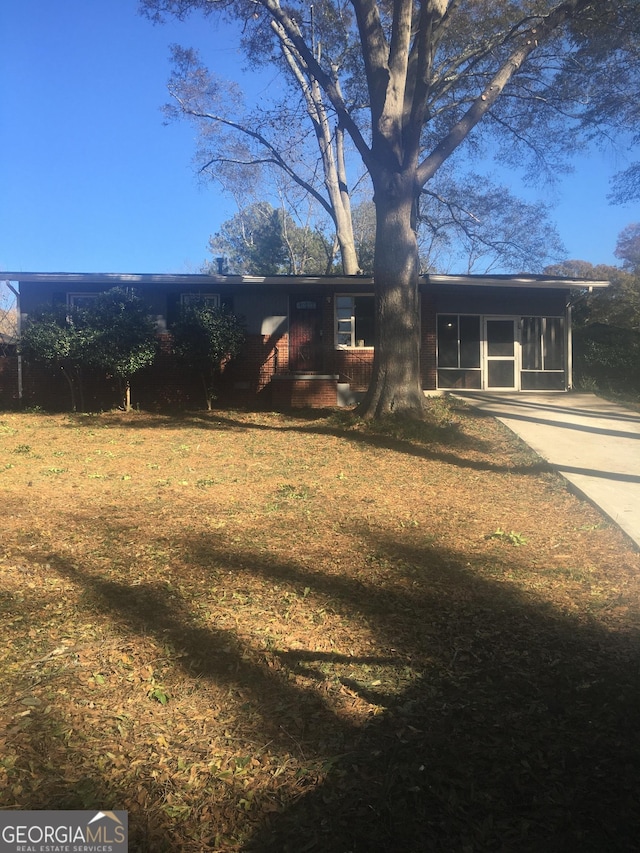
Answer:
[(205, 337), (123, 337), (626, 184), (619, 304), (628, 248), (309, 250), (416, 85), (8, 318), (606, 321), (473, 226), (260, 240), (251, 242)]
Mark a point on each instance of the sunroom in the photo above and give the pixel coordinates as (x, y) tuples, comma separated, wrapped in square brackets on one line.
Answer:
[(502, 353), (503, 334)]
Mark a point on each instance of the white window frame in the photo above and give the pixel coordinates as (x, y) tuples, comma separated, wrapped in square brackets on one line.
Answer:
[(509, 358), (190, 298), (79, 296), (348, 323)]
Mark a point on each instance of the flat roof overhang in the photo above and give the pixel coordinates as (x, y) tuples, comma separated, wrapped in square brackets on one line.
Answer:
[(537, 282)]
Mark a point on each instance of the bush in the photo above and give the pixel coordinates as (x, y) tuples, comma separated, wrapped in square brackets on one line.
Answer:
[(607, 357), (206, 338), (113, 334)]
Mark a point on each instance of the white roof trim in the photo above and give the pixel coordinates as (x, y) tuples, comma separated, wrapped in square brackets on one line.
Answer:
[(192, 279), (534, 281)]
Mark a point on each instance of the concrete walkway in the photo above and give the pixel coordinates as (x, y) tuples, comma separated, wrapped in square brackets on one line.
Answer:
[(594, 444)]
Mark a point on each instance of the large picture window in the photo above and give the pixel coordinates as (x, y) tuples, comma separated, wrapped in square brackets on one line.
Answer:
[(354, 321), (459, 351)]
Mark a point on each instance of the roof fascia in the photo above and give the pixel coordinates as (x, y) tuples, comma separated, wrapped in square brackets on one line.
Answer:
[(508, 281), (190, 279), (321, 281)]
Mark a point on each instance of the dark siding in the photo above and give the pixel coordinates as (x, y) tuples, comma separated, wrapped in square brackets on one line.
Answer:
[(500, 300)]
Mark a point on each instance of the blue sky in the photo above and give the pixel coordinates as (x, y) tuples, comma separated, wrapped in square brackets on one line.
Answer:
[(91, 180)]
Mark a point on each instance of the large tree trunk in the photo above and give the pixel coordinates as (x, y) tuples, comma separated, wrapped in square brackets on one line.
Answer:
[(396, 384)]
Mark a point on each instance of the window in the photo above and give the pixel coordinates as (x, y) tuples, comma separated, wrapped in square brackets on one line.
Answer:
[(458, 351), (212, 300), (553, 343), (542, 342), (81, 300), (354, 321), (458, 341), (534, 360)]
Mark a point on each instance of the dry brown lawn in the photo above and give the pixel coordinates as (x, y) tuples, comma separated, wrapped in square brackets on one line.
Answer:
[(301, 633)]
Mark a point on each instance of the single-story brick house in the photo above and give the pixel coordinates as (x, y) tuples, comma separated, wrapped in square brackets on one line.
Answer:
[(309, 339)]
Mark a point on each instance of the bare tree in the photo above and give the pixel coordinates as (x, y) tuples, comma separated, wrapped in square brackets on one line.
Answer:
[(472, 224), (234, 140), (413, 84), (8, 318)]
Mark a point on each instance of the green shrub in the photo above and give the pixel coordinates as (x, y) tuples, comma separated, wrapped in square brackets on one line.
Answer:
[(607, 357)]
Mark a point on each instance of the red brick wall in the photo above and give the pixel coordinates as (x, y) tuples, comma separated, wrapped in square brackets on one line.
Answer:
[(295, 392), (354, 366), (246, 380)]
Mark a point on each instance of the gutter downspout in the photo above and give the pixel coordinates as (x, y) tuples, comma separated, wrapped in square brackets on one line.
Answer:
[(569, 348), (16, 293)]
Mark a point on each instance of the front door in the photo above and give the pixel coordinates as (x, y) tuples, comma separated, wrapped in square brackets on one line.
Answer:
[(305, 334), (501, 353)]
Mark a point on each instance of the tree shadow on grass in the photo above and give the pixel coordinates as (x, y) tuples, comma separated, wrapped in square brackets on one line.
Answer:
[(52, 774), (201, 651), (521, 732), (485, 768), (416, 439), (518, 730)]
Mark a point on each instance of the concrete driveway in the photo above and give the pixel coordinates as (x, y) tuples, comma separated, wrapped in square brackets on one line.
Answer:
[(594, 444)]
